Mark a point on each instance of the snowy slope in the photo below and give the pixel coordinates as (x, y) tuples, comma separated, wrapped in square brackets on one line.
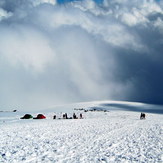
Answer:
[(115, 136)]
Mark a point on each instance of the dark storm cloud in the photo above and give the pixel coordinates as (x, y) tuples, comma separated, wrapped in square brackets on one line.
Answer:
[(80, 51)]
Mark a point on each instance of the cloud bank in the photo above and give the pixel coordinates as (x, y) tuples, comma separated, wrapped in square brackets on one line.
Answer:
[(54, 53)]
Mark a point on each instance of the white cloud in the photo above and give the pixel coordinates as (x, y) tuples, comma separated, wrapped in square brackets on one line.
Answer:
[(159, 25), (38, 2), (4, 14), (26, 47), (80, 51)]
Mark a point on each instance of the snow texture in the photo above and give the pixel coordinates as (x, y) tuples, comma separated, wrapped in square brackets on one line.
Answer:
[(114, 136)]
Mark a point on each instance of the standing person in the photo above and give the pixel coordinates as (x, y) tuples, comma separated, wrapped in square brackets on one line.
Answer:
[(81, 116), (74, 116), (54, 117), (66, 116)]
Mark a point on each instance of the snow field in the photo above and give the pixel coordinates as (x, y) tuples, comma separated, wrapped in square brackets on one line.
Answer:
[(116, 136)]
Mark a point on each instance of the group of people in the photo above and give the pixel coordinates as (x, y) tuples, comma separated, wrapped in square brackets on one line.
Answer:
[(142, 116), (65, 116)]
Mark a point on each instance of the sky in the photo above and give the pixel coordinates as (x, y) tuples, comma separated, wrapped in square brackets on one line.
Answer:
[(54, 52)]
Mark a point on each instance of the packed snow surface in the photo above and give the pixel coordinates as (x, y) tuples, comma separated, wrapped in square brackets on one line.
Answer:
[(114, 136)]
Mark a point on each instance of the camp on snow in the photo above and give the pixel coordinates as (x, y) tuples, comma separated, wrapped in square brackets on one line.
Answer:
[(40, 116), (27, 116)]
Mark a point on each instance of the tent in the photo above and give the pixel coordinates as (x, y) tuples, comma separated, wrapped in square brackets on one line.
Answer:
[(27, 116), (40, 116)]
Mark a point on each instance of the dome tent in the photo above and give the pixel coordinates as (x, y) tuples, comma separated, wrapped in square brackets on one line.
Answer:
[(40, 116), (27, 116)]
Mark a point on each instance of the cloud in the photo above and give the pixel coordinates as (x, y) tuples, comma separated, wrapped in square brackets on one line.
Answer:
[(4, 14), (27, 47), (54, 53)]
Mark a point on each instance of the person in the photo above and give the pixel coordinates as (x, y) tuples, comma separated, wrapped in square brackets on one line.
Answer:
[(142, 116), (74, 116), (54, 117), (81, 116), (66, 116)]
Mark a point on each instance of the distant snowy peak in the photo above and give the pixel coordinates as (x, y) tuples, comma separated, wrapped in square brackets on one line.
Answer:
[(110, 106)]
